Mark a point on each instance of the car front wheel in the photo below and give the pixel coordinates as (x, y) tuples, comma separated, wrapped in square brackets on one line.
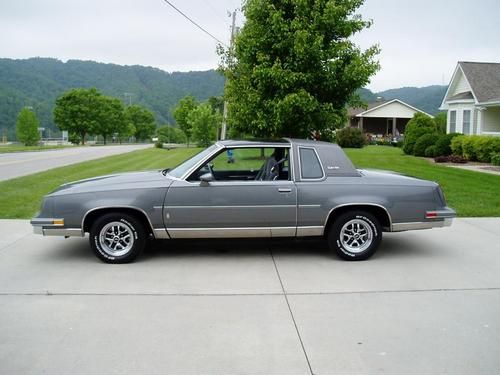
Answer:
[(117, 238), (355, 235)]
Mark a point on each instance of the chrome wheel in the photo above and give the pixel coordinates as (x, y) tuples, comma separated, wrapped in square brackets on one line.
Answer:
[(356, 236), (116, 238)]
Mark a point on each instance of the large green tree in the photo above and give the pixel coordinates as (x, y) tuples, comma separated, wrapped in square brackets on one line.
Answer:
[(203, 123), (27, 127), (170, 134), (294, 68), (111, 117), (143, 121), (181, 113), (79, 111)]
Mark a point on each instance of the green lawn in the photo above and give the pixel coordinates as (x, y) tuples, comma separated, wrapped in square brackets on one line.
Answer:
[(21, 197), (21, 148), (470, 193)]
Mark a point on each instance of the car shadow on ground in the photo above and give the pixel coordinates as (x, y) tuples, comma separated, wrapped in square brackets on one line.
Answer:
[(392, 246)]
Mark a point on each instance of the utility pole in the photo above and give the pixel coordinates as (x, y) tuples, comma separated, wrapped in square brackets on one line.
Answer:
[(231, 46)]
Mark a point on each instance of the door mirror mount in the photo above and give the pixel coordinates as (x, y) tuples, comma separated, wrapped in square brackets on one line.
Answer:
[(206, 178)]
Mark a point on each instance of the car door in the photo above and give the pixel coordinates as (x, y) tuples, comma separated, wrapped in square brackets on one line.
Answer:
[(231, 208)]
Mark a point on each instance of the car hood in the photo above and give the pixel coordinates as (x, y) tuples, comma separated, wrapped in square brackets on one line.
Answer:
[(384, 177), (132, 180)]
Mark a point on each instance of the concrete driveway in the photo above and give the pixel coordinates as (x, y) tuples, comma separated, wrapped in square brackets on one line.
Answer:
[(427, 303), (17, 164)]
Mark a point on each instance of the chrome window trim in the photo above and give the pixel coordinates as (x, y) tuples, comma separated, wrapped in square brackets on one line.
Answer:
[(223, 147), (319, 161)]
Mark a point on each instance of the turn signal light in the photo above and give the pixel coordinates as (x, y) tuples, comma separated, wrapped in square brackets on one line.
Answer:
[(58, 222)]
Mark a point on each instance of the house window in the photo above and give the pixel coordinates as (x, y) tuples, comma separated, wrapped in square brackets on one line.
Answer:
[(453, 121), (466, 123)]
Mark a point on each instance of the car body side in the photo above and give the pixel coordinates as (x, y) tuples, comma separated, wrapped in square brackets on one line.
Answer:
[(173, 207)]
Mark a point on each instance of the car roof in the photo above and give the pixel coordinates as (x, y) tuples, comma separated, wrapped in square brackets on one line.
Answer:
[(272, 142)]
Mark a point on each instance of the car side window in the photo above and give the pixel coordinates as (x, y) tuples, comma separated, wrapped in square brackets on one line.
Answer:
[(310, 166), (247, 164)]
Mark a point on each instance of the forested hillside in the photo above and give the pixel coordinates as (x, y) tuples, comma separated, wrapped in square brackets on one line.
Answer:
[(37, 82)]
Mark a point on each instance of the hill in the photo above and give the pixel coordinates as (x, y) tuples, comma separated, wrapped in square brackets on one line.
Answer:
[(37, 82)]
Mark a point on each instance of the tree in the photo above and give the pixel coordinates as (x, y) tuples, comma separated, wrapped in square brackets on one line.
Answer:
[(78, 111), (181, 113), (203, 123), (27, 127), (143, 121), (170, 134), (293, 69), (440, 119), (126, 131), (111, 117)]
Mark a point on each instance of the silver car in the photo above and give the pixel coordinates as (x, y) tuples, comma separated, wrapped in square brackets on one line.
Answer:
[(285, 188)]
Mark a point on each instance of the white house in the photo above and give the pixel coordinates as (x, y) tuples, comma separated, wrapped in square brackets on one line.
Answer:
[(382, 118), (473, 99)]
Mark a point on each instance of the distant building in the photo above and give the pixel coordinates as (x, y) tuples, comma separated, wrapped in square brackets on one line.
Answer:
[(383, 118), (473, 99)]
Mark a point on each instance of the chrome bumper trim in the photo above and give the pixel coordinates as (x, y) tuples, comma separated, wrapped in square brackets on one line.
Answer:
[(401, 227), (66, 232), (310, 231), (46, 222)]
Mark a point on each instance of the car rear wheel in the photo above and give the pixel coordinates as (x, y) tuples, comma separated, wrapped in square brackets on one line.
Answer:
[(355, 235), (117, 238)]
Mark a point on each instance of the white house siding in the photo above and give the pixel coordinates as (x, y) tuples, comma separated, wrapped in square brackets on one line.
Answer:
[(491, 120), (460, 85), (391, 110)]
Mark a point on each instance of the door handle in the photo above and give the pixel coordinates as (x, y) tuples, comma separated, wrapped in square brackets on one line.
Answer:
[(285, 190)]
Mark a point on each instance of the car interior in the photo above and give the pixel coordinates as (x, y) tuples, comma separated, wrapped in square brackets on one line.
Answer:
[(246, 164)]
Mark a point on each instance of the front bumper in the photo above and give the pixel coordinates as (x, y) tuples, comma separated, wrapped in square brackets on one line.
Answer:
[(433, 219), (54, 227)]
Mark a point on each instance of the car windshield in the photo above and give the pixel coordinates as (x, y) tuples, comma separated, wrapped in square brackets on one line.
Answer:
[(181, 169)]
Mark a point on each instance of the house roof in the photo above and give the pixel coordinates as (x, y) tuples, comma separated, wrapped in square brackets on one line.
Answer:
[(484, 79), (462, 95), (356, 112)]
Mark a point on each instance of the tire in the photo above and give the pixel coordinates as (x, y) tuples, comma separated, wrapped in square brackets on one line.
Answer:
[(117, 238), (355, 235)]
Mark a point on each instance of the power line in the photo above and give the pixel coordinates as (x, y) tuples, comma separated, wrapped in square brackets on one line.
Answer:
[(193, 22)]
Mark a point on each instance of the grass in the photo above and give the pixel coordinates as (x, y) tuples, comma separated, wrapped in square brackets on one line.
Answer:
[(4, 149), (470, 193), (20, 198)]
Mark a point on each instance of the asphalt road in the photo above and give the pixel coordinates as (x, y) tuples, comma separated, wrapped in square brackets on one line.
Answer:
[(427, 303), (17, 164)]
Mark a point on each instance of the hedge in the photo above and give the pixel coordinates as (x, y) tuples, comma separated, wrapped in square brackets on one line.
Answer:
[(475, 147)]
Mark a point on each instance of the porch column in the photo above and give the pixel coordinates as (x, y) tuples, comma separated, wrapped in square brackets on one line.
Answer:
[(360, 125), (394, 119), (479, 125)]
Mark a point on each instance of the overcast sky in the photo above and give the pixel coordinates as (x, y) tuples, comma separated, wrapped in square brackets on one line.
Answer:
[(421, 40)]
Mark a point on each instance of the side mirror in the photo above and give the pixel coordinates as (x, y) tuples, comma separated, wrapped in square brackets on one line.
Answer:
[(206, 178)]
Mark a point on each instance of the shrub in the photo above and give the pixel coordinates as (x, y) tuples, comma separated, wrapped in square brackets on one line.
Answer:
[(484, 146), (443, 143), (456, 145), (468, 147), (159, 144), (431, 151), (419, 125), (351, 138), (495, 158), (423, 142)]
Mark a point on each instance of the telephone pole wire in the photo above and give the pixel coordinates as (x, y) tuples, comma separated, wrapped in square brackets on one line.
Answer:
[(231, 46)]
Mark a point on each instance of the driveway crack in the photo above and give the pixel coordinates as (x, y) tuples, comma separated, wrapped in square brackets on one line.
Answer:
[(291, 313)]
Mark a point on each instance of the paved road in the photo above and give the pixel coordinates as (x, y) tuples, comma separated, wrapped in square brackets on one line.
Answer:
[(18, 164), (427, 303)]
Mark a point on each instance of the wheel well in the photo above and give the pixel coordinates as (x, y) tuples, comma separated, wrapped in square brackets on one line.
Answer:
[(379, 212), (139, 215)]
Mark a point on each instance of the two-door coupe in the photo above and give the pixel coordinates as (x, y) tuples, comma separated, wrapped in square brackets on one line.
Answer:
[(285, 188)]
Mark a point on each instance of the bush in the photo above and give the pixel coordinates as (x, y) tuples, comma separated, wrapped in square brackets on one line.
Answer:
[(456, 145), (351, 138), (159, 144), (431, 151), (443, 144), (423, 142), (418, 126), (495, 158)]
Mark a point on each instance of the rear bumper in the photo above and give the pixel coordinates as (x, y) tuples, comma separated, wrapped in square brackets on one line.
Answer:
[(433, 219), (54, 227)]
